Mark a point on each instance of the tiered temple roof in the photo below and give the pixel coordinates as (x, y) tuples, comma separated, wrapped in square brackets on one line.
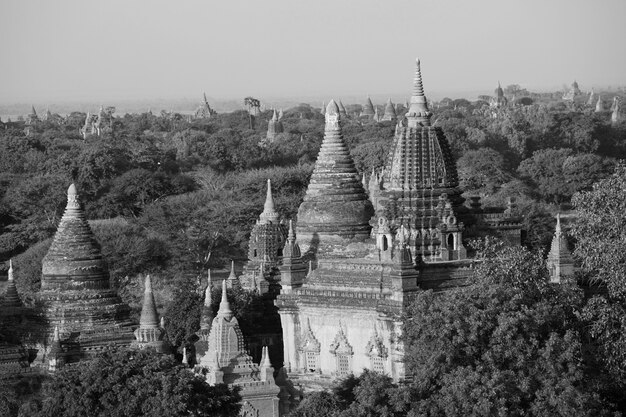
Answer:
[(75, 287), (335, 206), (419, 186)]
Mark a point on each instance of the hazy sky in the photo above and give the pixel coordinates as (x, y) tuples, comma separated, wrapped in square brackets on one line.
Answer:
[(133, 49)]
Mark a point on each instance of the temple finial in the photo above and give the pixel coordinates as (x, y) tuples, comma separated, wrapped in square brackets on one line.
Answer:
[(207, 291), (269, 215), (224, 310), (10, 270), (557, 230), (291, 236), (418, 87)]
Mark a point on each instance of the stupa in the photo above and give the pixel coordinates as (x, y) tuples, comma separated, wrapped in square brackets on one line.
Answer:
[(150, 335), (499, 100), (335, 206), (206, 320), (76, 292), (390, 112), (616, 116)]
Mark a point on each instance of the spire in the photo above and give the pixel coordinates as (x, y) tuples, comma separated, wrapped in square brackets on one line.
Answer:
[(11, 269), (207, 291), (232, 271), (275, 116), (149, 317), (557, 230), (390, 111), (291, 236), (418, 110), (55, 347), (185, 360), (599, 105), (11, 297), (269, 215), (224, 310)]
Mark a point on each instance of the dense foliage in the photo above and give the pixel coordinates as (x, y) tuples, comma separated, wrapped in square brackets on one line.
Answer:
[(131, 383)]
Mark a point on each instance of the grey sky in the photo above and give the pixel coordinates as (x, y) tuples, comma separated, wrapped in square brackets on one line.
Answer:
[(132, 49)]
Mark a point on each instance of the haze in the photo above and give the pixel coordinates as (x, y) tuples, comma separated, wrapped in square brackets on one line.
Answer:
[(108, 50)]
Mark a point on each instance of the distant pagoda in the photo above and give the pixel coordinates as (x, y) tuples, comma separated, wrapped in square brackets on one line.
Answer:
[(204, 110), (150, 334), (560, 262), (390, 112), (368, 109), (274, 127)]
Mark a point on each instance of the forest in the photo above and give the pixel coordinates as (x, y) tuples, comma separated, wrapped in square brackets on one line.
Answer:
[(172, 196)]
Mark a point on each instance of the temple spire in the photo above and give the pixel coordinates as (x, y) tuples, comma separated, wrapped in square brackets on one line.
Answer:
[(224, 310), (418, 109), (11, 297), (149, 317), (10, 270), (207, 291), (269, 215)]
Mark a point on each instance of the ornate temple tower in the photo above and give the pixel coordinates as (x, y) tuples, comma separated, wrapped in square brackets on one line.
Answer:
[(204, 110), (390, 112), (499, 100), (274, 127), (226, 361), (335, 206), (419, 186), (560, 262), (592, 98), (76, 292), (265, 249), (150, 335), (573, 92)]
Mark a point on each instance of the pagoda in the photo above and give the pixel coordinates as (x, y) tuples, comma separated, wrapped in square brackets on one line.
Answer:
[(265, 249), (149, 334), (499, 100), (227, 362), (560, 262), (616, 117), (368, 109), (573, 92), (76, 292), (390, 112), (335, 206), (204, 110), (274, 127), (599, 105)]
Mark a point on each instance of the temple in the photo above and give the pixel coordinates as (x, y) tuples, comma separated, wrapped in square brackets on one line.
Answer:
[(368, 255), (616, 117), (274, 127), (206, 319), (226, 361), (204, 110), (76, 293), (560, 262), (599, 105), (573, 92), (499, 100)]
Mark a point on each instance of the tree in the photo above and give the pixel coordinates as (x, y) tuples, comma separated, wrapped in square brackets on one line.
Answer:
[(600, 233), (507, 344), (253, 106), (482, 170), (133, 383)]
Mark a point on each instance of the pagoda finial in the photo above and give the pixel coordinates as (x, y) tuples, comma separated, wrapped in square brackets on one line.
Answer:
[(10, 270), (57, 338), (291, 236), (232, 270), (207, 291), (269, 215), (418, 87), (275, 116), (149, 317), (224, 310), (557, 230), (418, 109), (185, 360), (72, 198)]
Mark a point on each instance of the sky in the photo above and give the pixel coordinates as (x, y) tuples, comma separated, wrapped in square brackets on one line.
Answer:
[(144, 49)]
